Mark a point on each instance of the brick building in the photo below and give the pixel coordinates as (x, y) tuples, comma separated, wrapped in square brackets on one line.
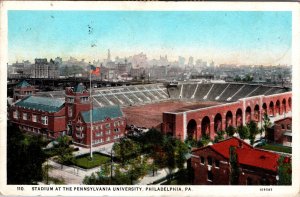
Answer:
[(53, 117), (211, 164), (23, 89), (39, 115), (281, 132), (199, 121)]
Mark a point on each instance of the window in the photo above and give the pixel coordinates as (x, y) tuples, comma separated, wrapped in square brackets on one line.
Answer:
[(70, 100), (99, 134), (209, 161), (117, 123), (282, 126), (44, 120), (108, 139), (34, 118), (116, 130), (217, 163), (107, 132), (202, 160), (16, 115), (107, 125), (209, 176), (24, 116), (70, 111), (288, 127), (84, 99)]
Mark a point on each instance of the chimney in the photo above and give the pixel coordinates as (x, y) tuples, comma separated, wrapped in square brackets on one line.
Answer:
[(240, 144)]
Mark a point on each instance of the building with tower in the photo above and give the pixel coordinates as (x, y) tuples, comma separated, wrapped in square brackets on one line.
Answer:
[(53, 117)]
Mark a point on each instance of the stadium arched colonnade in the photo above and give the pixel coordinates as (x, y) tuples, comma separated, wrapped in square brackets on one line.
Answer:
[(198, 122)]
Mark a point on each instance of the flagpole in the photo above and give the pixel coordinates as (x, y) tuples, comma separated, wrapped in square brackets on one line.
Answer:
[(91, 115)]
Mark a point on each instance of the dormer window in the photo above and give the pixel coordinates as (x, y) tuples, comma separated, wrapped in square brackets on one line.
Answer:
[(70, 100), (84, 99)]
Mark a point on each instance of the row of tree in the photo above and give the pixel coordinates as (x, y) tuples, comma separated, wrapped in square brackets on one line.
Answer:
[(138, 155), (249, 131)]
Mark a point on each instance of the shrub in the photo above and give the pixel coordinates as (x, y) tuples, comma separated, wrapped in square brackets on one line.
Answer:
[(230, 131)]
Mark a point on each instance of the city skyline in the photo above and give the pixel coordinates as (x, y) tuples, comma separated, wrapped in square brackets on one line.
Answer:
[(224, 37)]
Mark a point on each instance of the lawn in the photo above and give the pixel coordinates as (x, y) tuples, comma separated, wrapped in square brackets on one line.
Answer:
[(278, 148), (84, 161)]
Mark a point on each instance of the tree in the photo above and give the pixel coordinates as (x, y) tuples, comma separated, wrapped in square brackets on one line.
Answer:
[(203, 141), (169, 153), (284, 171), (126, 149), (180, 154), (234, 166), (237, 78), (63, 150), (266, 123), (25, 157), (243, 132), (253, 131), (219, 137), (230, 131)]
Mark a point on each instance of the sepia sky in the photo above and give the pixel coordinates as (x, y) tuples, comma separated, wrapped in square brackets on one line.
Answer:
[(224, 37)]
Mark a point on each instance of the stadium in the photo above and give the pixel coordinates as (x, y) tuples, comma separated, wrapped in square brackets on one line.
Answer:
[(193, 108)]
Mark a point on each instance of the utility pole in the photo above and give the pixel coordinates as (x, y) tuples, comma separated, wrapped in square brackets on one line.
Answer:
[(111, 166)]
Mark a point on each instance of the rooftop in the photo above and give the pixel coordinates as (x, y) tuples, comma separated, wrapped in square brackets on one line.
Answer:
[(197, 106), (23, 84), (79, 88), (102, 113), (41, 103), (247, 155)]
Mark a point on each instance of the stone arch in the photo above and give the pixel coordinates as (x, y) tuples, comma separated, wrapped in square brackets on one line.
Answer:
[(284, 105), (191, 129), (205, 126), (248, 114), (290, 103), (256, 116), (228, 119), (271, 108), (239, 117), (277, 107), (218, 122), (264, 108)]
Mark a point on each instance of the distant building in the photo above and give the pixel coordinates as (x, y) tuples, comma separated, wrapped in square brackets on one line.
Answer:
[(22, 90), (137, 72), (281, 132), (211, 164), (158, 72), (54, 117), (138, 60), (20, 70), (44, 69)]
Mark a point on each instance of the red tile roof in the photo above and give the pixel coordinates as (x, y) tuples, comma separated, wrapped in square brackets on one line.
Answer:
[(248, 155), (258, 158), (223, 146)]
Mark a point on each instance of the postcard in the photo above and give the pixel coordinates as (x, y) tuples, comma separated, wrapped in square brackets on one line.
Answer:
[(149, 98)]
